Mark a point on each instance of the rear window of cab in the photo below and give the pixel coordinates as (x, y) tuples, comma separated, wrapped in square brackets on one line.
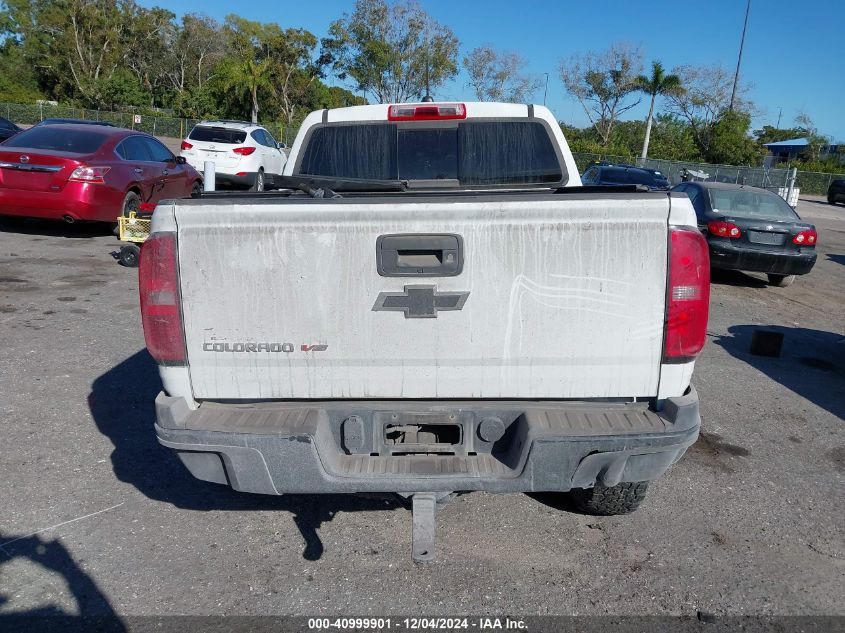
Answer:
[(471, 152), (212, 134)]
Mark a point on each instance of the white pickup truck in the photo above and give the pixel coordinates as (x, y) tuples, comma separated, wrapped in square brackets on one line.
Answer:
[(434, 306)]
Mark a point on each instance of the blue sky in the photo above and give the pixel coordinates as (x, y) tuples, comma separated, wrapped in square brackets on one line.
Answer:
[(793, 57)]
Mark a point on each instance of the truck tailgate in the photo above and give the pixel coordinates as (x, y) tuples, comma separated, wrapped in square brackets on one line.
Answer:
[(565, 298)]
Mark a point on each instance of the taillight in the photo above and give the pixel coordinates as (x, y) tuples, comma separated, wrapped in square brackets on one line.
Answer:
[(147, 207), (806, 238), (687, 296), (93, 175), (426, 112), (244, 151), (724, 229), (186, 145), (158, 281)]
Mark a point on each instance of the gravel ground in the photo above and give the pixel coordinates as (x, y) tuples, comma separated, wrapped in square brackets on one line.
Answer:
[(96, 518)]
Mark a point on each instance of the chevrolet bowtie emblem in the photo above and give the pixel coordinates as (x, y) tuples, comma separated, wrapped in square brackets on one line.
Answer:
[(420, 302)]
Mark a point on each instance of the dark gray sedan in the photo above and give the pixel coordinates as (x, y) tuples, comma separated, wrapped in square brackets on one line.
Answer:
[(752, 229)]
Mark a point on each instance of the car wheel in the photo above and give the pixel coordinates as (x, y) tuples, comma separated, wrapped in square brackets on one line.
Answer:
[(132, 202), (781, 281), (128, 255), (196, 190), (259, 181), (622, 498), (831, 199)]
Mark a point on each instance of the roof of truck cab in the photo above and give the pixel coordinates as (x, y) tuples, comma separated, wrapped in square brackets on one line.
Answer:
[(474, 109)]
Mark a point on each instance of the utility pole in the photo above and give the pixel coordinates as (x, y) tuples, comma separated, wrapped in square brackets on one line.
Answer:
[(739, 58), (427, 98), (546, 90), (780, 111)]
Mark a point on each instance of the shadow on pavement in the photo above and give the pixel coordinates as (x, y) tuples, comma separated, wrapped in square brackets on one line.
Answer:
[(52, 556), (839, 259), (56, 228), (811, 364), (735, 278), (122, 405)]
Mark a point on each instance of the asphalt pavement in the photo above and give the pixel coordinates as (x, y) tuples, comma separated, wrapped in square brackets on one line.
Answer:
[(97, 518)]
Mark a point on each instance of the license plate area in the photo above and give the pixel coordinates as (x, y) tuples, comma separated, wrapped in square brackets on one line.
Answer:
[(765, 237), (421, 434)]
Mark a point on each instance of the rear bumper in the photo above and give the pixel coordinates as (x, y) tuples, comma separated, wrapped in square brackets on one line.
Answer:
[(230, 180), (730, 257), (337, 446), (78, 200)]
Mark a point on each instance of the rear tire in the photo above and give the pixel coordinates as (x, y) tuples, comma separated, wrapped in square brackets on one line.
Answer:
[(602, 500), (128, 255), (196, 190), (781, 281), (259, 181), (132, 202), (831, 199)]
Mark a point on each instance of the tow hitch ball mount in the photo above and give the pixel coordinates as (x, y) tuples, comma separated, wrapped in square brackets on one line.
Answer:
[(424, 506)]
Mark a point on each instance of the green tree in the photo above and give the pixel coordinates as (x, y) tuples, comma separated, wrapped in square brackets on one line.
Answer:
[(390, 50), (816, 142), (659, 83), (499, 76), (604, 84), (122, 88), (730, 143), (706, 96), (771, 134), (247, 71)]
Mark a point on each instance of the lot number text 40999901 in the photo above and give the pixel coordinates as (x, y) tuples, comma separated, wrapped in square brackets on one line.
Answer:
[(416, 624)]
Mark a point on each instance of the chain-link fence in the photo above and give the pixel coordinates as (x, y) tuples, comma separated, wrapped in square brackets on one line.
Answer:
[(157, 125), (809, 182)]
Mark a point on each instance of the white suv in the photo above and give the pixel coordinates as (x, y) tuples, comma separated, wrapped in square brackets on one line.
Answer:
[(244, 154)]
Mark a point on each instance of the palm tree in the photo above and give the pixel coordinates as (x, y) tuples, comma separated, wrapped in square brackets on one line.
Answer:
[(658, 84), (249, 75)]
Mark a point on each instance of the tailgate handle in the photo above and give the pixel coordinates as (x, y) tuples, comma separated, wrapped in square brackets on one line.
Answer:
[(420, 255)]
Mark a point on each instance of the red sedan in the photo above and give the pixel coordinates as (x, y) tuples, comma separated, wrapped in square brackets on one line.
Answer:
[(87, 172)]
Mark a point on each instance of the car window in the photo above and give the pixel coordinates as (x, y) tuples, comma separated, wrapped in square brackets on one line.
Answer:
[(698, 200), (750, 203), (159, 153), (474, 152), (614, 176), (134, 149), (6, 124), (428, 154), (589, 175), (60, 140), (258, 136), (271, 142), (214, 134)]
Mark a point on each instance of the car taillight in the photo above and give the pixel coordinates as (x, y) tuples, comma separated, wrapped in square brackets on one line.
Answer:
[(93, 175), (687, 296), (806, 238), (147, 207), (724, 229), (426, 112), (186, 145), (158, 281), (244, 151)]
